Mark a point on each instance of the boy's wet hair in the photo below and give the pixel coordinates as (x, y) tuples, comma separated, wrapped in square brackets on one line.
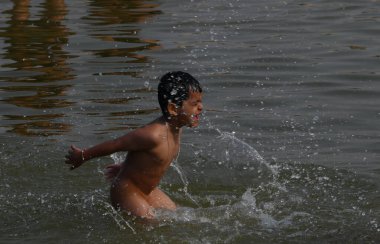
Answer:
[(175, 87)]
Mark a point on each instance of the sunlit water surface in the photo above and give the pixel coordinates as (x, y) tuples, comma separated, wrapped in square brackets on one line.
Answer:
[(288, 149)]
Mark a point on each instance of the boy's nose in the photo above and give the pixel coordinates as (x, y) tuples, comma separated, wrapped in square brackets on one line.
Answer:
[(200, 106)]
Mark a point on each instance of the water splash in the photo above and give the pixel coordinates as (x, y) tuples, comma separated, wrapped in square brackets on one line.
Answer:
[(184, 181), (118, 217), (118, 157), (245, 147), (248, 203)]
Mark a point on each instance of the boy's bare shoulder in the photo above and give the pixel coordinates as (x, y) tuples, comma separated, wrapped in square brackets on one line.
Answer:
[(153, 132)]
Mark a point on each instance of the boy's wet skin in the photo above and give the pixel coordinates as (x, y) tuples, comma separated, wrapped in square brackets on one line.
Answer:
[(151, 149), (142, 170)]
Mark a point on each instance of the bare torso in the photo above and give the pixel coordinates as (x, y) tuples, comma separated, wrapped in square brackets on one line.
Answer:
[(145, 169)]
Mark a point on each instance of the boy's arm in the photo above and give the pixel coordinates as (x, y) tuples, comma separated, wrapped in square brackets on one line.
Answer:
[(137, 140)]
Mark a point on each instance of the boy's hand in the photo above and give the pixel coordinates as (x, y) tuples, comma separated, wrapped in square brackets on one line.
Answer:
[(112, 171), (74, 157)]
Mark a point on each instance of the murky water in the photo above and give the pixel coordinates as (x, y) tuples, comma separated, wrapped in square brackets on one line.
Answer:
[(288, 149)]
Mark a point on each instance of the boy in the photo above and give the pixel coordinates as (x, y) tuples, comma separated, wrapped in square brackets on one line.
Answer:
[(151, 148)]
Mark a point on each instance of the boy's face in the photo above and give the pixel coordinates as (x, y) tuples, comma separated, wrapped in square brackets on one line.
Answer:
[(189, 113)]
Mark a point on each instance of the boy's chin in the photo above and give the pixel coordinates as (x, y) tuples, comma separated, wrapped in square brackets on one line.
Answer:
[(193, 124)]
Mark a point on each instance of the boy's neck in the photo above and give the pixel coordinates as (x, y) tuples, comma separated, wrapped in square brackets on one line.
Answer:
[(172, 125)]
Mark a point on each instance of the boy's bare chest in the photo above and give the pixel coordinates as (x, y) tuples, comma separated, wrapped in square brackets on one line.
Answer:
[(161, 156), (167, 152), (169, 147)]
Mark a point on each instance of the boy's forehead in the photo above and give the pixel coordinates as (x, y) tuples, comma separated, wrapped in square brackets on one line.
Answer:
[(195, 95)]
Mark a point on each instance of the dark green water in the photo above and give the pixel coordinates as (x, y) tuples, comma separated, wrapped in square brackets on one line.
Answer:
[(288, 149)]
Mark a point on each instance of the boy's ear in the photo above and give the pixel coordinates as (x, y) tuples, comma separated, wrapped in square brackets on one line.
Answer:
[(172, 109)]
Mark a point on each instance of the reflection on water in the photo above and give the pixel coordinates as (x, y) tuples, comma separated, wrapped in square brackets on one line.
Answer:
[(36, 46), (37, 125), (38, 62), (35, 50), (114, 19)]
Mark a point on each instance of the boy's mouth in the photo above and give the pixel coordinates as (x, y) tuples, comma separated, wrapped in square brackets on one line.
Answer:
[(195, 117)]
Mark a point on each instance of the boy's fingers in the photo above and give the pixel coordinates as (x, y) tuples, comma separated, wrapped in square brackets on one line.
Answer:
[(69, 156), (74, 148), (68, 159)]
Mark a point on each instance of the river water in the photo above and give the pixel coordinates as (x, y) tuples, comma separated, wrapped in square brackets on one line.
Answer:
[(288, 147)]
